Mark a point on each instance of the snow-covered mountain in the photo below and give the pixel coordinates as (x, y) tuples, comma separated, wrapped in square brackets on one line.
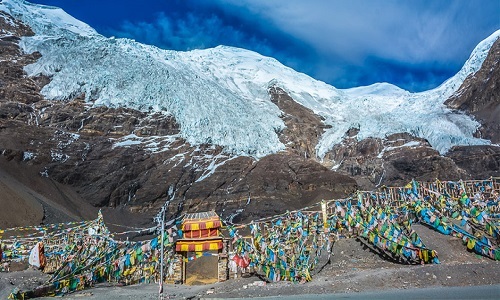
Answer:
[(90, 121), (220, 95)]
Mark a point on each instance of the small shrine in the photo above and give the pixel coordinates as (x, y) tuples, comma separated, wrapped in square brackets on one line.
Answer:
[(201, 250)]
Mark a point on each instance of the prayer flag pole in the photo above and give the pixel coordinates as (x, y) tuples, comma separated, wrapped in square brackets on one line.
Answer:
[(325, 216), (162, 254)]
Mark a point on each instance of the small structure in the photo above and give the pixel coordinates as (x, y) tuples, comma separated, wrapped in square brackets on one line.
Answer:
[(201, 249)]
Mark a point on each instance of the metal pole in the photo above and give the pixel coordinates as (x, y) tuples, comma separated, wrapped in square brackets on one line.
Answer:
[(162, 254)]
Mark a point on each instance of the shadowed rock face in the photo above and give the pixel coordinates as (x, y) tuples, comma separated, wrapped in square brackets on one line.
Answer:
[(477, 161), (479, 96), (392, 161), (398, 158), (303, 127)]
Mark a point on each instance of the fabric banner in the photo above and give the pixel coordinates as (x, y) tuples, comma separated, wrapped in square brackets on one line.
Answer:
[(201, 224), (241, 261), (34, 259), (198, 246), (37, 256)]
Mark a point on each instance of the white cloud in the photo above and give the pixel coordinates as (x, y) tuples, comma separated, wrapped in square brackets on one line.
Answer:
[(408, 31)]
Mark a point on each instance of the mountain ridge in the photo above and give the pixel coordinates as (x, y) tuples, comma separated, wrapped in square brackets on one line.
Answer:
[(234, 82)]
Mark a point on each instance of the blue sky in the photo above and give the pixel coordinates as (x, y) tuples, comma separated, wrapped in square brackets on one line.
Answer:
[(415, 44)]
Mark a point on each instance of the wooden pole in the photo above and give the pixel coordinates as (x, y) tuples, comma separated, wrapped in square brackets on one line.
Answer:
[(162, 254), (325, 217)]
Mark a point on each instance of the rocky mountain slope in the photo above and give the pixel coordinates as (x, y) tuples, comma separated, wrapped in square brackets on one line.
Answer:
[(253, 140), (479, 96)]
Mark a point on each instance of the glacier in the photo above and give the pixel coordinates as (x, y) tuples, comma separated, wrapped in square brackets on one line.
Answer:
[(220, 95)]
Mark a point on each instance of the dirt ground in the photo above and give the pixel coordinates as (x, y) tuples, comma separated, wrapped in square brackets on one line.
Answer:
[(29, 199), (353, 268)]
